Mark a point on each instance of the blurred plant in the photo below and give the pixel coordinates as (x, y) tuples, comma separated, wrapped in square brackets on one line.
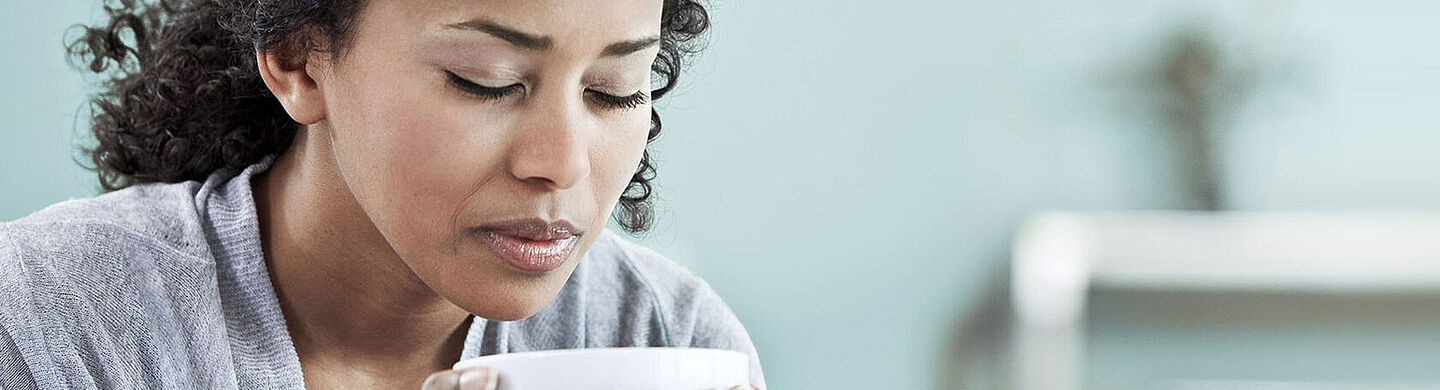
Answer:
[(1200, 87), (1207, 73), (1206, 84)]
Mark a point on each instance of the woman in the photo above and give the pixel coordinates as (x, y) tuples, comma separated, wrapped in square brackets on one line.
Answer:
[(357, 194)]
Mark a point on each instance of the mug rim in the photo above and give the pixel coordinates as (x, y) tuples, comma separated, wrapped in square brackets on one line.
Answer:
[(478, 360)]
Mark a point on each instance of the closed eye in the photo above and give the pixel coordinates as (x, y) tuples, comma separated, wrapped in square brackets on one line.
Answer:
[(619, 102), (495, 93), (481, 91)]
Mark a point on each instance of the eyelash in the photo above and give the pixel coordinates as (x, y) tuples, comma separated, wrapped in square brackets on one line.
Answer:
[(621, 102), (488, 93), (480, 91)]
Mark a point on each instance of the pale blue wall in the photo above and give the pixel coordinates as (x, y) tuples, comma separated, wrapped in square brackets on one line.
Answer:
[(847, 173), (40, 97), (1364, 132)]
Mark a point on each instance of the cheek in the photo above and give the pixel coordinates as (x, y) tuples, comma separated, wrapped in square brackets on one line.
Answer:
[(410, 160), (618, 155)]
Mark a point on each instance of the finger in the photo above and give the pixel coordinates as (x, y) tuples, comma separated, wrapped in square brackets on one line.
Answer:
[(443, 380), (478, 378)]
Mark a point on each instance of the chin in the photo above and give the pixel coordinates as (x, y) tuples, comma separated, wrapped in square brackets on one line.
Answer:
[(509, 315), (488, 288), (507, 306), (512, 312)]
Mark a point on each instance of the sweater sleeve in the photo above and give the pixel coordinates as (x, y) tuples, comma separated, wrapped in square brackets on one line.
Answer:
[(14, 373), (705, 321), (691, 313)]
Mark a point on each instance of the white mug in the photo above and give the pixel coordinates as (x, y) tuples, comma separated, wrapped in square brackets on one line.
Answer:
[(617, 369)]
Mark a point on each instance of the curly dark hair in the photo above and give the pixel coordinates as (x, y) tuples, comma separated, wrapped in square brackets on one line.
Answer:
[(183, 97)]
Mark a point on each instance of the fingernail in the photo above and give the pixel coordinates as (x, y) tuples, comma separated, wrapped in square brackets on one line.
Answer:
[(479, 378), (444, 380)]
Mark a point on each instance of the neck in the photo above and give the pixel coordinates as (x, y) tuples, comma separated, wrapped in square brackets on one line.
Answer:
[(346, 295)]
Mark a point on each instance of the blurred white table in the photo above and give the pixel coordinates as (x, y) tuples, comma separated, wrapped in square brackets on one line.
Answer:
[(1060, 257)]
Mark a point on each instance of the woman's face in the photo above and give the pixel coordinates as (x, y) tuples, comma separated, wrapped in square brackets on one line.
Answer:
[(471, 132)]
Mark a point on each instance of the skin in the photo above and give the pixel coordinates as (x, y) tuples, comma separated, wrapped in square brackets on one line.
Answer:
[(368, 219)]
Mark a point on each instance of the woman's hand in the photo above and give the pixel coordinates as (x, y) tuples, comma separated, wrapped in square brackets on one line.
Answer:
[(469, 378)]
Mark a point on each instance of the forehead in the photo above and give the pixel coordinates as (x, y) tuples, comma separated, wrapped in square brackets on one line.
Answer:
[(568, 22)]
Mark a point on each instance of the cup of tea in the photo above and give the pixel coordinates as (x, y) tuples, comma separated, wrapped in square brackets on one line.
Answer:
[(617, 368)]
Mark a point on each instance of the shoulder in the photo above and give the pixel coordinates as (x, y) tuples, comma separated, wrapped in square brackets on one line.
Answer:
[(159, 215), (119, 232), (95, 266), (616, 263), (637, 279), (686, 309), (104, 241), (90, 287), (161, 212), (103, 244)]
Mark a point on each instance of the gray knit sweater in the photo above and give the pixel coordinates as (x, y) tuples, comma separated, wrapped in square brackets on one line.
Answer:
[(164, 286)]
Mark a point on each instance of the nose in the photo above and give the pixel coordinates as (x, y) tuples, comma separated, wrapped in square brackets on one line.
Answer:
[(550, 148)]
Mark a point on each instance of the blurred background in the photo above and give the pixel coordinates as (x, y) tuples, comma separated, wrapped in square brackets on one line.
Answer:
[(1025, 194)]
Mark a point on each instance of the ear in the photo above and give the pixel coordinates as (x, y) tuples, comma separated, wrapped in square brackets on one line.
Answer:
[(291, 81)]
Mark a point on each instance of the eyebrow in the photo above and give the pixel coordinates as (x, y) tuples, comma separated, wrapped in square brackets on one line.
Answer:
[(515, 37), (541, 43), (630, 46)]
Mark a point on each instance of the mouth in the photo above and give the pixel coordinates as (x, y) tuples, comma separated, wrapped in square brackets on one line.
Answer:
[(532, 245)]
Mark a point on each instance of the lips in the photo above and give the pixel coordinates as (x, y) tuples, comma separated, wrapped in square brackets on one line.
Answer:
[(531, 244)]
